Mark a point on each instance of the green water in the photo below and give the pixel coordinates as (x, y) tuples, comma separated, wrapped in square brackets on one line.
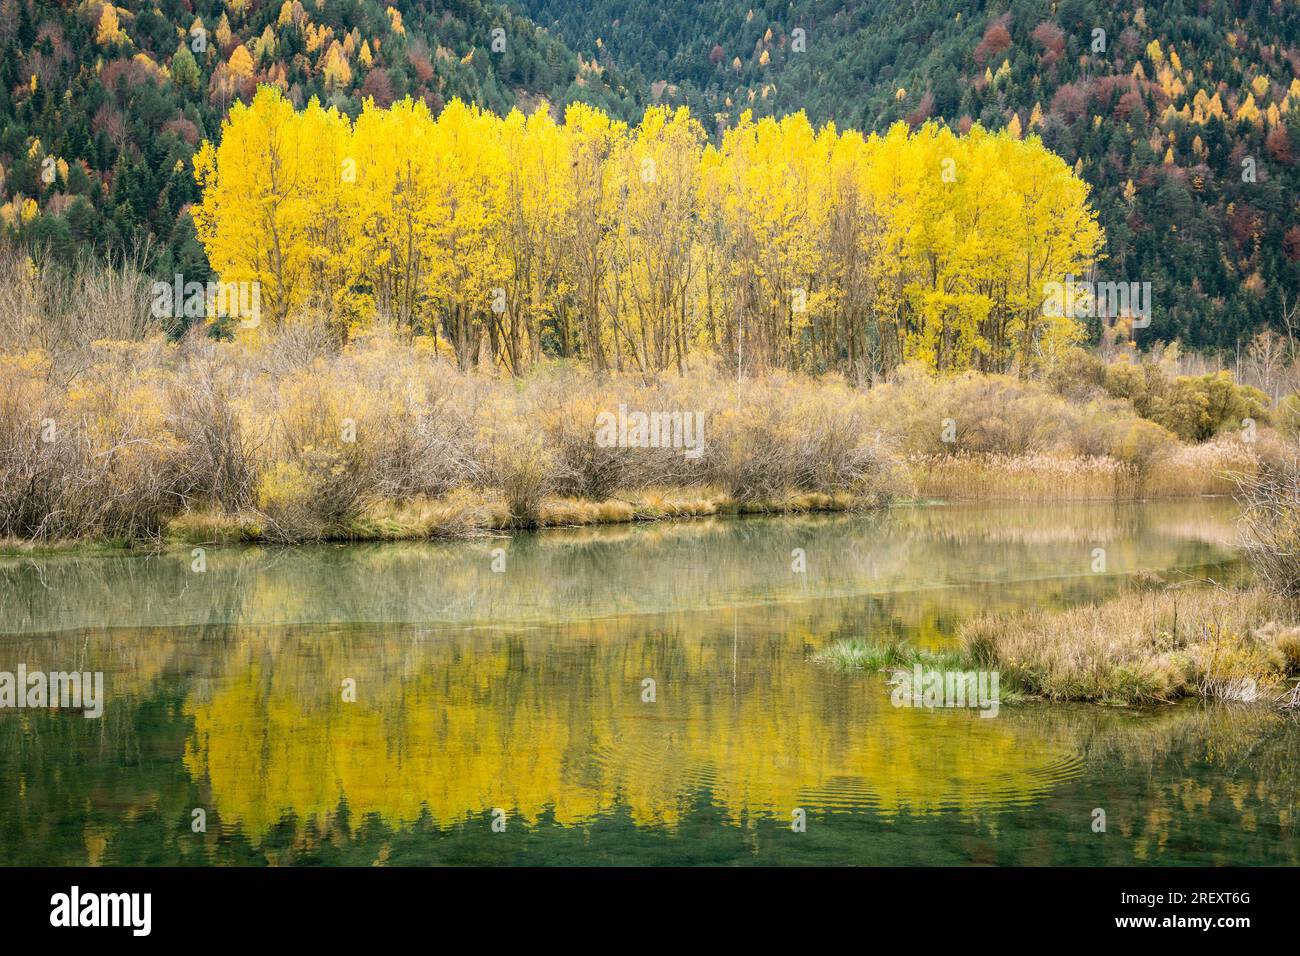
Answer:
[(519, 696)]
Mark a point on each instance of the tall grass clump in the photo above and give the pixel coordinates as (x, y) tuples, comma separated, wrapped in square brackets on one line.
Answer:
[(1145, 647), (858, 654)]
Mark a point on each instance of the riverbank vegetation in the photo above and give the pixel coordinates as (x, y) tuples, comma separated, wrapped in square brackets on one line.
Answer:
[(1144, 646), (1147, 646), (295, 436), (300, 438), (1155, 642), (1157, 645)]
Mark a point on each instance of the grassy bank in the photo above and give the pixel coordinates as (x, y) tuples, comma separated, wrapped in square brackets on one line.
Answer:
[(465, 515), (1150, 644), (1185, 471), (1143, 647), (1146, 647)]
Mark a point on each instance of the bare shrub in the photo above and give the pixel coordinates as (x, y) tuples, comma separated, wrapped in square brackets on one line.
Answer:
[(1270, 523), (567, 403), (220, 465), (338, 432), (783, 439), (521, 467), (291, 346), (416, 417), (63, 308), (98, 459)]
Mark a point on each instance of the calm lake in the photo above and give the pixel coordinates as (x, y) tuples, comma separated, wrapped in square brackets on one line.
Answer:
[(630, 695)]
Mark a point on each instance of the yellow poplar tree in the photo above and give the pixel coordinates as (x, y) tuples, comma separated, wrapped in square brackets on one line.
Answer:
[(254, 214), (782, 246)]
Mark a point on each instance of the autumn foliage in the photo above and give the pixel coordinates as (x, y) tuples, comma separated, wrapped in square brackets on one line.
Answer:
[(639, 247)]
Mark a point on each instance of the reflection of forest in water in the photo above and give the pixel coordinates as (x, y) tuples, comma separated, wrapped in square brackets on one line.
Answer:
[(549, 725), (547, 721)]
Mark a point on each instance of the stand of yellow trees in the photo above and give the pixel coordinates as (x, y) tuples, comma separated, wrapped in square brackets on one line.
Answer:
[(780, 246)]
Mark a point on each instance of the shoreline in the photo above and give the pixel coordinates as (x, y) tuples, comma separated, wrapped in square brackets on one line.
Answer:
[(1151, 644), (468, 516)]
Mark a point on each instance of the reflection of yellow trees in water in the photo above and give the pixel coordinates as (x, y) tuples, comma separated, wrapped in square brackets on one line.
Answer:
[(1246, 758), (265, 752), (550, 721), (555, 723)]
